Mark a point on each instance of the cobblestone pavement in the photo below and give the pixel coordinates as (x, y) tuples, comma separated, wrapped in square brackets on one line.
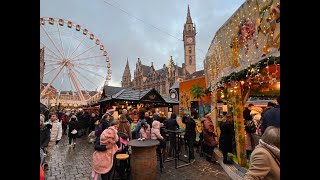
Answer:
[(68, 163)]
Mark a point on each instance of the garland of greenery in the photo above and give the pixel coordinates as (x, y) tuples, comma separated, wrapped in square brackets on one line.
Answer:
[(237, 76)]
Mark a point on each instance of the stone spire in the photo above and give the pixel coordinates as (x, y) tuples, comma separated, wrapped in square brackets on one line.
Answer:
[(127, 69), (189, 20)]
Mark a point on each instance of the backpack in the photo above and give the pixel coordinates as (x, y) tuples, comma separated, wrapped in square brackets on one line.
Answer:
[(98, 130), (250, 127)]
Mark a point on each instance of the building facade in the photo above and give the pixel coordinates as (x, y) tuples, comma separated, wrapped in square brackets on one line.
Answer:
[(145, 76)]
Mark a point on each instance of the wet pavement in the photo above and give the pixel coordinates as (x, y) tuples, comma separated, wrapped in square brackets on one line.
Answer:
[(68, 163)]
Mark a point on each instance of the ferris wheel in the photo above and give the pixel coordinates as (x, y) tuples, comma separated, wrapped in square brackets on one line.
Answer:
[(74, 58)]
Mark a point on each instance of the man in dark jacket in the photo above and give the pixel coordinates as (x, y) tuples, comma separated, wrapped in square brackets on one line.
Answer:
[(246, 113), (190, 134), (271, 117), (172, 124)]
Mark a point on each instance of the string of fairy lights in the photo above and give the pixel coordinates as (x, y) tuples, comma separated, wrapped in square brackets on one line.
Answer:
[(248, 37)]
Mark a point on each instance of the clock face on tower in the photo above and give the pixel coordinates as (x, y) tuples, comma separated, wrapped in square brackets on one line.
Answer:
[(189, 39), (173, 95)]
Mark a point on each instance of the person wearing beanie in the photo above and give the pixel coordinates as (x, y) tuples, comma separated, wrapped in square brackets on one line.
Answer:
[(73, 131), (271, 117)]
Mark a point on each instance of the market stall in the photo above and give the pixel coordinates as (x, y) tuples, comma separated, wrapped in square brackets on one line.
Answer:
[(244, 59), (134, 100)]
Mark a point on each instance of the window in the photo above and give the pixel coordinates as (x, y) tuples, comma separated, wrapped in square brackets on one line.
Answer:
[(190, 50), (163, 88), (190, 60), (189, 27)]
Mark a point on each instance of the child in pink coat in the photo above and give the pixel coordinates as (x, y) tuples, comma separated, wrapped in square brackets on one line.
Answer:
[(155, 133)]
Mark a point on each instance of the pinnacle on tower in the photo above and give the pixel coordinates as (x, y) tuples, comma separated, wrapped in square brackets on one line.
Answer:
[(127, 63), (189, 20)]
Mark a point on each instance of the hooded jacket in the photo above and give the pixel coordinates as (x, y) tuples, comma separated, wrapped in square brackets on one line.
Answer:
[(265, 163), (155, 131), (102, 161)]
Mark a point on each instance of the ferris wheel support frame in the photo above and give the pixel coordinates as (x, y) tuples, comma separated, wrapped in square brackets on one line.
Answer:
[(74, 81), (54, 78)]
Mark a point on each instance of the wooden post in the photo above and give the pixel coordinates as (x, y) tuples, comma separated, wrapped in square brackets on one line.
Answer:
[(239, 123), (214, 109)]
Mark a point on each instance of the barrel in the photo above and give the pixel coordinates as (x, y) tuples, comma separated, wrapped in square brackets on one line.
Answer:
[(144, 163)]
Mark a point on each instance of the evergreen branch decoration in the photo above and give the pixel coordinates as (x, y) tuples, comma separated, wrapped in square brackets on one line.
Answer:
[(238, 76)]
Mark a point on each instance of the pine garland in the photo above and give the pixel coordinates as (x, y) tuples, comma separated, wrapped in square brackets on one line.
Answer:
[(238, 76)]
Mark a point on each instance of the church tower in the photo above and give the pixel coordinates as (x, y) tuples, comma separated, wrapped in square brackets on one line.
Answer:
[(189, 39), (126, 78)]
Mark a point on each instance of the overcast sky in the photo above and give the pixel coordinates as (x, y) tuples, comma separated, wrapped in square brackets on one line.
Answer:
[(126, 37)]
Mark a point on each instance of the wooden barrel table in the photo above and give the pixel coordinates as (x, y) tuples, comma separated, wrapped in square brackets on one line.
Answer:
[(143, 161)]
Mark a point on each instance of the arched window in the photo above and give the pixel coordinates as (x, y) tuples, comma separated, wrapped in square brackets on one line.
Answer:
[(190, 60), (190, 50)]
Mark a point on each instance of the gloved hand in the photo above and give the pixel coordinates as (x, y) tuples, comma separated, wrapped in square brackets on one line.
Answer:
[(57, 142)]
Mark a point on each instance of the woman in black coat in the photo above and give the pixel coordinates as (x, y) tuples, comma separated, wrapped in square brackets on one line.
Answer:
[(73, 130), (225, 141)]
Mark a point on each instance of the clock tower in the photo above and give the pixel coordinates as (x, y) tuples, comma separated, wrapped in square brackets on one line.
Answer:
[(189, 40)]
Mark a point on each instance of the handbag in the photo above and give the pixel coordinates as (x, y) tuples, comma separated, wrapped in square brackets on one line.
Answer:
[(74, 131)]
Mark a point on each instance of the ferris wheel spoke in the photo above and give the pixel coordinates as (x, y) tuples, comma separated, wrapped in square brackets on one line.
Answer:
[(85, 51), (54, 78), (64, 56), (92, 72), (53, 60), (51, 40), (81, 84), (85, 78), (77, 46), (80, 59), (95, 65), (53, 64), (62, 80), (61, 66), (54, 53)]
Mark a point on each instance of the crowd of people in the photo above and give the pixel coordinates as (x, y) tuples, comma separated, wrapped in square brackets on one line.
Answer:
[(110, 136)]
